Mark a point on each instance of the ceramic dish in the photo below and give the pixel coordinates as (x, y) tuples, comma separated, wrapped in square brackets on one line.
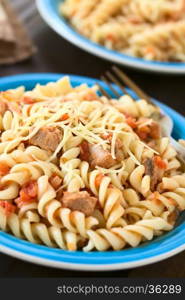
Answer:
[(49, 11), (154, 251)]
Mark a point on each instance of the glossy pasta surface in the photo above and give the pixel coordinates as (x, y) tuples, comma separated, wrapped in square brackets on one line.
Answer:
[(79, 171), (153, 30)]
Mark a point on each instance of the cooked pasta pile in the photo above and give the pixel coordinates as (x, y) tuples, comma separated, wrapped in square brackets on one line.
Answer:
[(153, 30), (79, 171)]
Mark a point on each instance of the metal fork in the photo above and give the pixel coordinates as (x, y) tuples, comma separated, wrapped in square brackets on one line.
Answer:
[(117, 77)]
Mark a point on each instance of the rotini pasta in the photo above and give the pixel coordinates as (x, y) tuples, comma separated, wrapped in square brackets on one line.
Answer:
[(36, 232), (59, 216), (118, 238), (80, 171), (110, 199), (153, 30)]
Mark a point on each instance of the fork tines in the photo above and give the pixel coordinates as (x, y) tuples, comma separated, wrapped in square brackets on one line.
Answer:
[(111, 80), (117, 77)]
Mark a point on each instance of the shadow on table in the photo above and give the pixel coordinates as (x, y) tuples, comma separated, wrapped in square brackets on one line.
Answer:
[(173, 267)]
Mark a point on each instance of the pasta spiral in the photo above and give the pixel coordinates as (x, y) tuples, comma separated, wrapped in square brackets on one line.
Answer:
[(23, 168), (38, 232), (110, 199), (139, 181), (59, 216), (118, 238), (69, 163), (173, 198)]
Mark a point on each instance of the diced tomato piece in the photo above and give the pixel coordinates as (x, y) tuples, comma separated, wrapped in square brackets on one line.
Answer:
[(151, 130), (28, 100), (161, 164), (24, 196), (98, 180), (9, 208), (4, 169), (145, 129), (55, 181), (150, 50), (64, 117), (143, 135), (84, 150), (111, 37), (143, 132), (19, 202), (131, 122), (31, 189), (28, 193)]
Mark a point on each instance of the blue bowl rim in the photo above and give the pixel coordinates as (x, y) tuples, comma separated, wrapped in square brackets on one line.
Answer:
[(49, 12), (158, 249)]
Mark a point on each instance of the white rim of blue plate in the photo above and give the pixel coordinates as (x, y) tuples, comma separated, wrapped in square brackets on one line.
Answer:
[(49, 12), (159, 249)]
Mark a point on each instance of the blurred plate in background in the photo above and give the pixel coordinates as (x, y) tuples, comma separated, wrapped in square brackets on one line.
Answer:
[(49, 11)]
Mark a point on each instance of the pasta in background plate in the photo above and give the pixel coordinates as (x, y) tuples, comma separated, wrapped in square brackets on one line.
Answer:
[(153, 30), (79, 171)]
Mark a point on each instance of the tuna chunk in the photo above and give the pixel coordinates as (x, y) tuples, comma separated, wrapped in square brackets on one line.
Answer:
[(3, 107), (149, 166), (81, 201), (119, 150), (100, 157), (149, 131), (97, 156), (47, 138), (153, 171)]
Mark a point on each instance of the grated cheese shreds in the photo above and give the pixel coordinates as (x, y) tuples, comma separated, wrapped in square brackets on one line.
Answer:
[(88, 119), (114, 170), (133, 157), (66, 136), (146, 123), (148, 147)]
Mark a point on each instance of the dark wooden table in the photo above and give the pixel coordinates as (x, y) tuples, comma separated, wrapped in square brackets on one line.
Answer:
[(57, 55)]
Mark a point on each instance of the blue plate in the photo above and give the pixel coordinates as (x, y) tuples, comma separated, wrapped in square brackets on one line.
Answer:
[(156, 250), (49, 11)]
